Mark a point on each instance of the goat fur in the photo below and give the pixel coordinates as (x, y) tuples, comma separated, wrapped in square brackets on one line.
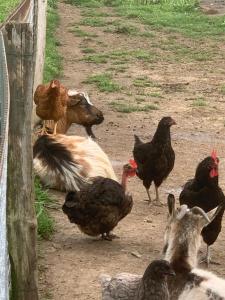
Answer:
[(84, 159), (211, 287), (182, 242)]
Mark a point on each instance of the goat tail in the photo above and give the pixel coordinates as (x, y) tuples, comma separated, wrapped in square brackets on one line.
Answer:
[(55, 165)]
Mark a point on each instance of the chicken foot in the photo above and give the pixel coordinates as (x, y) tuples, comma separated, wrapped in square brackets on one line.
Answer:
[(109, 236), (43, 130), (157, 200)]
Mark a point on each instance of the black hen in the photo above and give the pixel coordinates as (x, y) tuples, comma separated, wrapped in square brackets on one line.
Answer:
[(98, 207), (155, 159), (204, 191)]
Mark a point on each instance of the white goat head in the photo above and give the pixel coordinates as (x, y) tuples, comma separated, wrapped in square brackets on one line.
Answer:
[(182, 237)]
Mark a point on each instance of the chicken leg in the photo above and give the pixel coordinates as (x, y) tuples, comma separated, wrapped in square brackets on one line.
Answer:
[(54, 130), (43, 130), (157, 200), (207, 258), (149, 197)]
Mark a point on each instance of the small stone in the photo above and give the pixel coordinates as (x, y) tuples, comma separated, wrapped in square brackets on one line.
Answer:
[(148, 220), (136, 254)]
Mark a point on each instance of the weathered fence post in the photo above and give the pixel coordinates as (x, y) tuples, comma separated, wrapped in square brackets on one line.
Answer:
[(40, 30), (4, 103), (21, 220)]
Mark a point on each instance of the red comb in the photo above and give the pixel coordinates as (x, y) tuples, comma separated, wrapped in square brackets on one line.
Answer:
[(214, 155), (132, 162)]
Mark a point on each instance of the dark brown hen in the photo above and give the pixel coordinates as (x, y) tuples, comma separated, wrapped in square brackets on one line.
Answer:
[(152, 286), (204, 191), (98, 207), (154, 281), (155, 159)]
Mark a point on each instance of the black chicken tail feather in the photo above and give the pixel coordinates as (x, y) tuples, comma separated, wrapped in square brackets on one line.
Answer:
[(137, 140)]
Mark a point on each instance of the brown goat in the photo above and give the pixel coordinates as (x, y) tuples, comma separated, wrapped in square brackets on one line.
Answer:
[(80, 111)]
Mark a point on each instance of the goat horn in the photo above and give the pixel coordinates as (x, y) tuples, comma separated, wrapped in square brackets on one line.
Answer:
[(198, 211), (182, 211)]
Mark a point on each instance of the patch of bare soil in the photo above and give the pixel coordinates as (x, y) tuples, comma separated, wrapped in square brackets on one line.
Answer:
[(71, 262)]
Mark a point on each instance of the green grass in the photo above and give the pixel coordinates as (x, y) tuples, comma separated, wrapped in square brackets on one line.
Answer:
[(97, 59), (6, 7), (156, 95), (93, 22), (103, 82), (42, 200), (129, 108), (118, 57), (144, 55), (126, 29), (175, 16), (143, 82), (85, 3), (81, 33), (88, 50), (199, 102), (181, 16), (53, 60), (91, 13)]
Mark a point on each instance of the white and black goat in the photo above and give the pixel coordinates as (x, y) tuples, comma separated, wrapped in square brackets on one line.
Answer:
[(182, 242), (66, 162)]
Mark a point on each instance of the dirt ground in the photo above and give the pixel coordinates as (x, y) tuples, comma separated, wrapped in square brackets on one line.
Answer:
[(70, 263)]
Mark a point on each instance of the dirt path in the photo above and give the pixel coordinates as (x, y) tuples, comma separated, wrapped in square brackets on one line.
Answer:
[(213, 7), (187, 89)]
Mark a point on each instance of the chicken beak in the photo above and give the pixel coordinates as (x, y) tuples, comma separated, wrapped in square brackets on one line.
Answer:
[(173, 122), (53, 84)]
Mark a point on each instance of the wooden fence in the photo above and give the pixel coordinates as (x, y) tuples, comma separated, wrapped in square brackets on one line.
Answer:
[(21, 65), (4, 105)]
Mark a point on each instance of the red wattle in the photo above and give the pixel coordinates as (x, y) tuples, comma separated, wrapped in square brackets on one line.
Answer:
[(213, 173)]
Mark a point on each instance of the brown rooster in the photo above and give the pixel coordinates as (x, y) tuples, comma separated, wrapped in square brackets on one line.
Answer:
[(155, 159), (51, 102), (98, 207)]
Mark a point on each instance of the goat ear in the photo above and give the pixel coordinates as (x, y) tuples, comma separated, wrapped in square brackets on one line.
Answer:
[(73, 100), (171, 204)]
